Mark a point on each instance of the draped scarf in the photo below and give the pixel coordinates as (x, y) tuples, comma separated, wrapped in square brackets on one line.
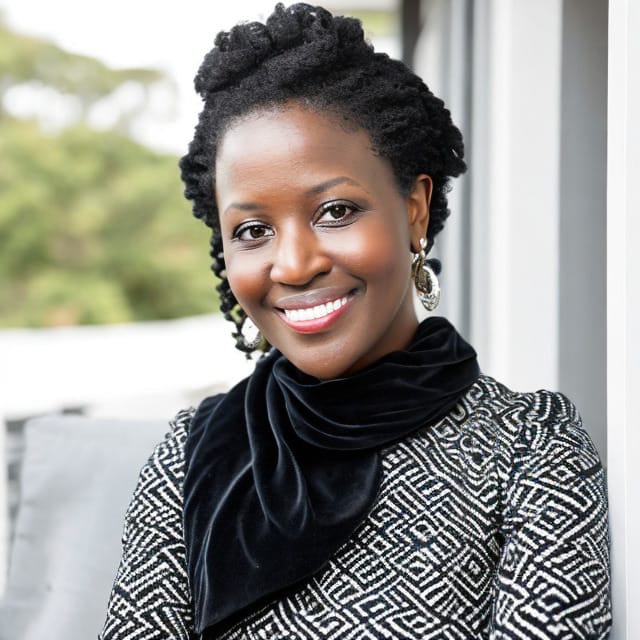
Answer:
[(284, 467)]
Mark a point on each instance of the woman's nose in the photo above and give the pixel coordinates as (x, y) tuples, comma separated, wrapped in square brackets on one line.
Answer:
[(299, 257)]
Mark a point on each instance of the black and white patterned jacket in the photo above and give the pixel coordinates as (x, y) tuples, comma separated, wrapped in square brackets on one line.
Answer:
[(490, 524)]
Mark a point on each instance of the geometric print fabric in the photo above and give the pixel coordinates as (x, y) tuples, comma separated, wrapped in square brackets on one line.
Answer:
[(491, 523)]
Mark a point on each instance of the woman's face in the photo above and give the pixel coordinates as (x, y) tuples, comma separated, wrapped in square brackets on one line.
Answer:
[(317, 239)]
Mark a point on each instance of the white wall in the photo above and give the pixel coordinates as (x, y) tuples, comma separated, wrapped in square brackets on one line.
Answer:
[(582, 224), (623, 306), (514, 175), (442, 58), (497, 65)]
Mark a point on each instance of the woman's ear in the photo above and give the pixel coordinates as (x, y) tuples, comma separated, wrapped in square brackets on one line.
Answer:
[(418, 202)]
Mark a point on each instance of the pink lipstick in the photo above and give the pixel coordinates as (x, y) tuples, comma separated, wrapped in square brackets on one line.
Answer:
[(315, 318)]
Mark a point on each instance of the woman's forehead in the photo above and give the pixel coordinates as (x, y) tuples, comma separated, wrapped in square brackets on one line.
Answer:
[(290, 115), (295, 146), (295, 132)]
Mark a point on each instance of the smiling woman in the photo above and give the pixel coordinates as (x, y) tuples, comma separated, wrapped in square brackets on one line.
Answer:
[(317, 243), (366, 481)]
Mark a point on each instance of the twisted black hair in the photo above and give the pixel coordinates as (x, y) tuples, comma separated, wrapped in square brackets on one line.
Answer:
[(305, 54)]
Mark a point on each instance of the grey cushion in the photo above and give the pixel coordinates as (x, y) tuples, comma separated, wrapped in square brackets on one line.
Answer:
[(77, 479)]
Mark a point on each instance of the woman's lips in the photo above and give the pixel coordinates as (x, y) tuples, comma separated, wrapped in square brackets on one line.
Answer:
[(317, 317)]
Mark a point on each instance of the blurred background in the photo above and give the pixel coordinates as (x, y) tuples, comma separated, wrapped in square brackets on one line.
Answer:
[(107, 304), (96, 106)]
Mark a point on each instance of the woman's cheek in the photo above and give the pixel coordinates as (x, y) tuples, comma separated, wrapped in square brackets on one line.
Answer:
[(245, 279), (370, 252)]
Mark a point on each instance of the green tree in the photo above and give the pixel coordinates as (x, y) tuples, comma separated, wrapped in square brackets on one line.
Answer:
[(93, 226), (36, 61)]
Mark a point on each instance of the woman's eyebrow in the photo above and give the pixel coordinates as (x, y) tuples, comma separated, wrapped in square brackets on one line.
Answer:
[(243, 206), (315, 190), (323, 186)]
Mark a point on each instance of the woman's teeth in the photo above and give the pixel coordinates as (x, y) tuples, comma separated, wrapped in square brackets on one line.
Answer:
[(319, 311)]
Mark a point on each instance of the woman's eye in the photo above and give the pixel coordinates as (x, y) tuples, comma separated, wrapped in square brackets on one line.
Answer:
[(250, 232), (336, 212)]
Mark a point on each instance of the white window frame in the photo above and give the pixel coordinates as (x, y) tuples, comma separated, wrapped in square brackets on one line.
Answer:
[(623, 313)]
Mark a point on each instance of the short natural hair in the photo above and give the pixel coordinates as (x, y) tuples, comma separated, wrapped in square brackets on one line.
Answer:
[(305, 54)]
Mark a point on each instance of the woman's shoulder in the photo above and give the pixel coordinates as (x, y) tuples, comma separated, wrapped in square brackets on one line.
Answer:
[(169, 455), (167, 459), (541, 425), (489, 392), (150, 596), (551, 411), (171, 448), (160, 482)]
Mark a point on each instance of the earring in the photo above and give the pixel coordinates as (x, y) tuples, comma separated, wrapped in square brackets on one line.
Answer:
[(250, 343), (425, 279)]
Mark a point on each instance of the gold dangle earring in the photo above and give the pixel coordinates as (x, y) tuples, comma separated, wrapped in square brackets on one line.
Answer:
[(425, 279)]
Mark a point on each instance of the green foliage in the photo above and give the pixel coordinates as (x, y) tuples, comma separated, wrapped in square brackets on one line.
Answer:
[(29, 59), (93, 226)]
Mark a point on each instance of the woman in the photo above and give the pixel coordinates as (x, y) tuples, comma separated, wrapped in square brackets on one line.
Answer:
[(366, 481)]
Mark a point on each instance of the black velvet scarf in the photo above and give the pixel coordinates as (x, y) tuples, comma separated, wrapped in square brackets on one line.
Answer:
[(283, 468)]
